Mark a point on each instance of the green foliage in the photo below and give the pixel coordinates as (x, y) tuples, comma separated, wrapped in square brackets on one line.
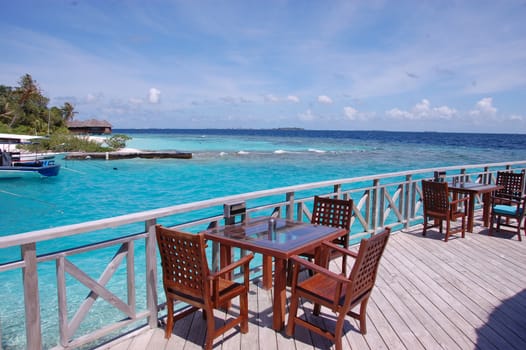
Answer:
[(118, 141), (23, 109), (63, 141)]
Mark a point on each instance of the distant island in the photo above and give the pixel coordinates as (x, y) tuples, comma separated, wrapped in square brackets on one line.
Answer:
[(289, 129)]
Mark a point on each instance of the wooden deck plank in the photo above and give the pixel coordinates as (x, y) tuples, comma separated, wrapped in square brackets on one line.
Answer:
[(465, 294), (431, 298), (443, 268)]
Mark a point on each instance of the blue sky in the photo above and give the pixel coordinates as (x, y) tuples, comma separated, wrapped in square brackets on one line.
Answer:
[(351, 65)]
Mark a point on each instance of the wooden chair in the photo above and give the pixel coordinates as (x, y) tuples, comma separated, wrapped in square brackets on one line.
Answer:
[(335, 291), (438, 206), (186, 277), (508, 202), (334, 213)]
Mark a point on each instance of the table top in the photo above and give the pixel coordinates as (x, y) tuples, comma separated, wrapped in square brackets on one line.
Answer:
[(291, 237), (472, 187)]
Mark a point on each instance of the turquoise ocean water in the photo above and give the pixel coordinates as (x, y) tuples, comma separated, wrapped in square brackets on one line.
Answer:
[(224, 162)]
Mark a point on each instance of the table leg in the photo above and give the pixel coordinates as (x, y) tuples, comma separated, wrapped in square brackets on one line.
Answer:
[(225, 258), (471, 211), (280, 296), (486, 208), (267, 272)]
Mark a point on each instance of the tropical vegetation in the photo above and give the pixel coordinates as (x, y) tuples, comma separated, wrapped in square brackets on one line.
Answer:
[(24, 110)]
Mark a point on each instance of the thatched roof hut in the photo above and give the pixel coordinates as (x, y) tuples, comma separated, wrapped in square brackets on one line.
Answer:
[(89, 127)]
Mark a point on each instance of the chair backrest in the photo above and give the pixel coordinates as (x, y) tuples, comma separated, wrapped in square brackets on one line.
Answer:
[(364, 270), (183, 261), (332, 212), (513, 183), (233, 210), (435, 196)]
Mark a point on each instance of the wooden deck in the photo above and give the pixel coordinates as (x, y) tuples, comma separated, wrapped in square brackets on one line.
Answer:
[(465, 294)]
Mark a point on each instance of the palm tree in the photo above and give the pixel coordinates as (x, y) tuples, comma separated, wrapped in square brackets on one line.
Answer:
[(68, 111)]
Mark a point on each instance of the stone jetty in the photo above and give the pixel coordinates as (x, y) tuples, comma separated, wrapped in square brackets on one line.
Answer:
[(128, 155)]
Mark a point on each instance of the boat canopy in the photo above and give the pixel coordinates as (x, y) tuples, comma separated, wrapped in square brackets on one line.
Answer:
[(14, 138)]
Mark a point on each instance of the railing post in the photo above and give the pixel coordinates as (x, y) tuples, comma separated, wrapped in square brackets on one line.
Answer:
[(289, 211), (151, 272), (407, 197), (31, 296), (381, 206), (337, 189), (414, 191), (374, 217), (486, 178)]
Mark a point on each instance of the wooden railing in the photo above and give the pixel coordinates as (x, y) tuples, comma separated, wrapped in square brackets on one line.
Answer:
[(391, 199)]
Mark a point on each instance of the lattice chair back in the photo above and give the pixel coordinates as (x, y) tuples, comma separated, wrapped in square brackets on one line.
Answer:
[(365, 268), (184, 264), (513, 184), (332, 212), (435, 196)]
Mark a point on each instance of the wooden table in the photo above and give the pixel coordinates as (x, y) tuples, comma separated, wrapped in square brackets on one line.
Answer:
[(473, 189), (291, 238)]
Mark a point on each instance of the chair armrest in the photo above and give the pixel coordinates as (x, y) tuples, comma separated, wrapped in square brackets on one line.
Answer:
[(340, 249), (319, 269), (243, 261), (508, 200), (460, 200)]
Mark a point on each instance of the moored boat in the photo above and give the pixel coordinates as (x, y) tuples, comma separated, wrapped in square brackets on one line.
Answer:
[(13, 165), (19, 169)]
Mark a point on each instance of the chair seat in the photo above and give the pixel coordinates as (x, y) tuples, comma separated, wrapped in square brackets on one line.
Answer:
[(339, 292), (323, 287), (227, 288), (510, 210)]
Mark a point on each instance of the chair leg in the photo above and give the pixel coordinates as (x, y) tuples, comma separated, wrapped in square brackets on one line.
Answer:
[(491, 222), (316, 310), (243, 311), (448, 229), (363, 316), (169, 318), (210, 331), (344, 259), (425, 225), (338, 331), (294, 300)]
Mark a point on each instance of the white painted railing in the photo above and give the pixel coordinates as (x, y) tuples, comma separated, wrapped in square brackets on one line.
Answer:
[(391, 199)]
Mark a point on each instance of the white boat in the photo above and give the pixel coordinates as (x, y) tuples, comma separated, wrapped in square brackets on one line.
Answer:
[(30, 157), (13, 164)]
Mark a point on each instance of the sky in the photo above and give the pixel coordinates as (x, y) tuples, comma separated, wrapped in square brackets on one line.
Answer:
[(454, 66)]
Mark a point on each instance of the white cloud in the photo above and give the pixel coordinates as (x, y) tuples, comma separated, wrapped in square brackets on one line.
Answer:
[(292, 98), (423, 111), (91, 98), (154, 96), (485, 108), (271, 98), (350, 113), (135, 101), (307, 116), (324, 99)]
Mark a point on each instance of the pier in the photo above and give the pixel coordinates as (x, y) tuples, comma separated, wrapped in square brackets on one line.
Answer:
[(128, 155), (468, 293)]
